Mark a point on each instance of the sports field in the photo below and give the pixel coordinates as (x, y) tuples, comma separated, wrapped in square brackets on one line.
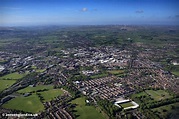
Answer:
[(6, 83), (86, 112), (14, 75), (127, 104), (28, 104)]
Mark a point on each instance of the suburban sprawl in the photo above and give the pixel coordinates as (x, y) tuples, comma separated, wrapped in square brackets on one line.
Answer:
[(89, 72)]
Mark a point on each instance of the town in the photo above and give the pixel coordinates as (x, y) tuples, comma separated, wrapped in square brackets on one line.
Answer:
[(115, 72)]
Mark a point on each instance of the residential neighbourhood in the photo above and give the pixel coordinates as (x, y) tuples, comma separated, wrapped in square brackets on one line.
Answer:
[(50, 78)]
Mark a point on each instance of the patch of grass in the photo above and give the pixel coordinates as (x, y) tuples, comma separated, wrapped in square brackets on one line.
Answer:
[(51, 94), (175, 73), (37, 69), (84, 111), (14, 75), (40, 70), (116, 72), (33, 67), (99, 75), (127, 104), (31, 89), (150, 96), (140, 94), (6, 83), (164, 111), (158, 94), (28, 104)]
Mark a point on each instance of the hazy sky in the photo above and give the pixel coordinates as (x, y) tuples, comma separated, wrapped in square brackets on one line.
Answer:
[(88, 12)]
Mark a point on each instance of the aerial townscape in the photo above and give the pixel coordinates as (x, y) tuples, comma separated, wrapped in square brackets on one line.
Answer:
[(86, 59), (90, 71)]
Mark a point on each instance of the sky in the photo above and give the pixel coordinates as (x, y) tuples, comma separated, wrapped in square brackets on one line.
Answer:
[(89, 12)]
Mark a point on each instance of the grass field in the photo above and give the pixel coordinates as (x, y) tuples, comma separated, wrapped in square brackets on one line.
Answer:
[(140, 94), (14, 75), (33, 67), (86, 112), (47, 95), (163, 111), (99, 75), (151, 95), (158, 95), (175, 73), (127, 104), (40, 70), (6, 83), (51, 94), (31, 89), (32, 103), (174, 69), (116, 72), (28, 104)]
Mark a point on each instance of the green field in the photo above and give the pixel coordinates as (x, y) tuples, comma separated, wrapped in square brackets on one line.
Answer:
[(32, 103), (51, 94), (6, 83), (127, 104), (31, 89), (174, 69), (116, 72), (140, 94), (163, 111), (48, 95), (158, 95), (37, 70), (40, 70), (175, 73), (28, 104), (99, 75), (33, 67), (151, 95), (14, 75), (86, 112)]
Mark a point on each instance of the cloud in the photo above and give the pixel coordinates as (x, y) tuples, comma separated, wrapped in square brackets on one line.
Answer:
[(139, 11), (84, 9)]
